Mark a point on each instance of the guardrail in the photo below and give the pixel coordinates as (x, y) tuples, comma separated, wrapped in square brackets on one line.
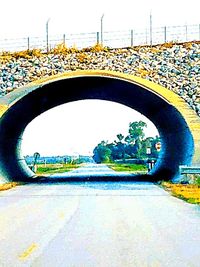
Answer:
[(189, 169), (112, 39)]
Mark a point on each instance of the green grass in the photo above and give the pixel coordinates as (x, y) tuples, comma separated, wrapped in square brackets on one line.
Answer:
[(55, 168), (60, 168), (127, 167), (197, 179)]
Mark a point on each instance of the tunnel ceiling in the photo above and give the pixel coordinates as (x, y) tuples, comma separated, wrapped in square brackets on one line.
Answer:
[(178, 125)]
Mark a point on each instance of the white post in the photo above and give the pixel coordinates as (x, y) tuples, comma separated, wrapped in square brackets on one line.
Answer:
[(151, 41), (47, 34), (102, 29)]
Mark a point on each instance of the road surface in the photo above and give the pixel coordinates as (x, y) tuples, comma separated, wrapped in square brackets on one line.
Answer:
[(95, 172), (92, 224)]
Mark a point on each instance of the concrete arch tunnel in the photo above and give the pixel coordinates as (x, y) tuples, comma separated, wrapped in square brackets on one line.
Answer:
[(178, 125)]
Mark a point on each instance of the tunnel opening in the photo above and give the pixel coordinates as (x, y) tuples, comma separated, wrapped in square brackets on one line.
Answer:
[(176, 138), (90, 131)]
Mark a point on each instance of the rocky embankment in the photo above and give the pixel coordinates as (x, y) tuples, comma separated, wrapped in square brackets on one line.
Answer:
[(174, 66)]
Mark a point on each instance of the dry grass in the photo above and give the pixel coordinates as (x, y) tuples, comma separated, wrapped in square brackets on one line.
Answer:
[(63, 49), (8, 186), (83, 58), (58, 49), (187, 192)]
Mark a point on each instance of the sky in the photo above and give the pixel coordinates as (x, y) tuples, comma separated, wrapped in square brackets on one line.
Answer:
[(87, 124), (22, 18), (77, 127)]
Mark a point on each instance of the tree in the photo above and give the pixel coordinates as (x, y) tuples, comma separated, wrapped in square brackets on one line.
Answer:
[(135, 137), (136, 130), (120, 137), (134, 145), (102, 153)]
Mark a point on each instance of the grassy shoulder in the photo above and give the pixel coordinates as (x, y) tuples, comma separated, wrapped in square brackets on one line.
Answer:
[(127, 167), (188, 192), (43, 169), (8, 186)]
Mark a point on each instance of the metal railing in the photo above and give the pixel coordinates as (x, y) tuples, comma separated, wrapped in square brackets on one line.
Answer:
[(112, 39)]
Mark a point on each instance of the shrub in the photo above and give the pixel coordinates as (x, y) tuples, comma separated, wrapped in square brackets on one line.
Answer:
[(27, 53), (60, 49)]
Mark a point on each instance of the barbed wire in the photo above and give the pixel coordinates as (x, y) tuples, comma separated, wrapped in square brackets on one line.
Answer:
[(112, 39)]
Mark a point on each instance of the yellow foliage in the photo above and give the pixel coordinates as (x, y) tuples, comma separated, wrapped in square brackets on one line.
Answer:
[(96, 48), (83, 57), (4, 59), (5, 54), (190, 193), (189, 45), (63, 49), (99, 48), (60, 49), (142, 72), (155, 50), (74, 49), (27, 53), (21, 54), (35, 52), (168, 45), (7, 186)]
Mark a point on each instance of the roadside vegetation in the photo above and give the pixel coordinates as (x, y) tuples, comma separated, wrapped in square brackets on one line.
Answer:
[(187, 192), (8, 186), (134, 146), (47, 169), (130, 168), (59, 49)]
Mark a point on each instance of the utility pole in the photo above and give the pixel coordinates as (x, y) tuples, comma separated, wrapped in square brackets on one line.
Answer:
[(102, 29)]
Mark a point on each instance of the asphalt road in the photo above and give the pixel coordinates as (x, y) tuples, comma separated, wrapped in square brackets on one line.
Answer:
[(92, 172), (92, 224)]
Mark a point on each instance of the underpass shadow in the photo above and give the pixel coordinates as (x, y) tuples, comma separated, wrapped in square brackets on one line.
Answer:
[(94, 178)]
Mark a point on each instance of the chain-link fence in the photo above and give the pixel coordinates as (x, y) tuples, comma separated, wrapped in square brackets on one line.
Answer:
[(111, 39)]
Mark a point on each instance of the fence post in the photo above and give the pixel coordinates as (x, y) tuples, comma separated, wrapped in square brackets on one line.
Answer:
[(64, 39), (28, 42), (186, 32), (131, 37), (102, 29), (150, 29), (147, 38), (165, 34), (47, 35), (97, 37), (199, 31)]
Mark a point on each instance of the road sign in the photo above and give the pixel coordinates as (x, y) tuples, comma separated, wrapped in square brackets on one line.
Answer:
[(158, 146)]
